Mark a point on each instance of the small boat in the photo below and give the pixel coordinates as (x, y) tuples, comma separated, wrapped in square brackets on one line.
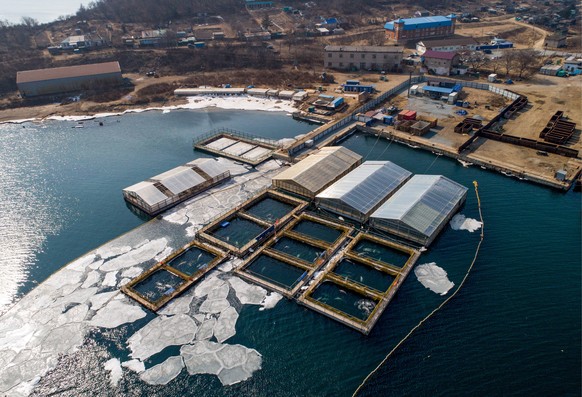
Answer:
[(483, 167)]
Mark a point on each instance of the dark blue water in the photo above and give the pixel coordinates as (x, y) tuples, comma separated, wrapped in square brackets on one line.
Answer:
[(514, 329)]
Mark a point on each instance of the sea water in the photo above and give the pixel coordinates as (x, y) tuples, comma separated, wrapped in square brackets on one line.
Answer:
[(514, 328)]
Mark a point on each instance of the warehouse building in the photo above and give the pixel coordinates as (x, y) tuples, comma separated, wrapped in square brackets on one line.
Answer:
[(316, 172), (385, 58), (68, 79), (420, 209), (176, 185), (402, 30), (363, 190)]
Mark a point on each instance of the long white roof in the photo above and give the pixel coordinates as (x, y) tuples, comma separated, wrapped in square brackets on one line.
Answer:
[(319, 169), (367, 185), (422, 203)]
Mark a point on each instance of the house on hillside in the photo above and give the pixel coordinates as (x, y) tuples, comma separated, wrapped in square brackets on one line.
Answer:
[(81, 42), (443, 63), (557, 40)]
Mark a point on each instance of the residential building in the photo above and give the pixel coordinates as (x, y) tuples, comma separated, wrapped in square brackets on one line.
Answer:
[(363, 57), (81, 42), (555, 41), (402, 30), (257, 5), (443, 63), (67, 79), (449, 44), (573, 65)]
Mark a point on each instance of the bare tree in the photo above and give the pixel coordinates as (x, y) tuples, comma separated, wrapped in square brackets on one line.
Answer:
[(526, 62), (508, 58), (477, 60), (29, 22)]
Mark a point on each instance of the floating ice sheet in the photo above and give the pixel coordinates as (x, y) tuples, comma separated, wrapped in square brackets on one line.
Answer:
[(460, 222), (246, 293), (232, 363), (137, 256), (271, 300), (163, 373), (115, 372), (136, 366), (434, 278), (160, 333), (225, 326), (116, 313)]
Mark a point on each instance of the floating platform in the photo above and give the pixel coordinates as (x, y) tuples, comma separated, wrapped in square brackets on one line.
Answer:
[(166, 190), (236, 145), (364, 283), (291, 257), (241, 229), (170, 277)]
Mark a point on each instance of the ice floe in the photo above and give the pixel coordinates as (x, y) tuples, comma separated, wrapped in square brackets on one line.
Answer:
[(134, 257), (110, 279), (246, 293), (163, 373), (460, 222), (178, 305), (225, 325), (115, 372), (92, 278), (106, 251), (271, 300), (136, 366), (116, 313), (160, 333), (232, 363), (434, 278)]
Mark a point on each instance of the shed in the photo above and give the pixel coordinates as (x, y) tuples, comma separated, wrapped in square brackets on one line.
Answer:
[(176, 185), (67, 78), (561, 175), (363, 190), (262, 92), (420, 128), (299, 96), (317, 171), (407, 115), (420, 209), (286, 94)]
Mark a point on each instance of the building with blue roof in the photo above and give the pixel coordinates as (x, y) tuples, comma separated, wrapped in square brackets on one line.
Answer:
[(401, 30)]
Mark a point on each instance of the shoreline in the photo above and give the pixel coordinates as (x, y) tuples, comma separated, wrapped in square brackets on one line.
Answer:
[(242, 102)]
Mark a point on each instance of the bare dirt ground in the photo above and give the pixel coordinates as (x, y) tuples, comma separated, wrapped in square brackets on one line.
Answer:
[(548, 94), (521, 34)]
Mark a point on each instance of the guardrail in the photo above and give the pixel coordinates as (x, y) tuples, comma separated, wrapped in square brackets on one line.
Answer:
[(245, 135)]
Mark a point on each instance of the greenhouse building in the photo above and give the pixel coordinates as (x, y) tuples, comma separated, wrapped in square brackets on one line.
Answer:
[(317, 171), (420, 209), (363, 190), (176, 185)]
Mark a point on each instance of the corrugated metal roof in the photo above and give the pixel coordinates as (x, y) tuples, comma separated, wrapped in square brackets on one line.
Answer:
[(422, 203), (319, 169), (420, 22), (367, 185), (28, 76), (448, 55)]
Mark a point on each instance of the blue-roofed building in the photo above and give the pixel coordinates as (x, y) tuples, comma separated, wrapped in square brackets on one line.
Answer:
[(401, 30)]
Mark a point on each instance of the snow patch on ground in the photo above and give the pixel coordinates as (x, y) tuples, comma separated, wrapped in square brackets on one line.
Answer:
[(460, 222), (434, 278)]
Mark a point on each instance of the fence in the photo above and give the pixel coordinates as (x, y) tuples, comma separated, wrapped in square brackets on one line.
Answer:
[(272, 144)]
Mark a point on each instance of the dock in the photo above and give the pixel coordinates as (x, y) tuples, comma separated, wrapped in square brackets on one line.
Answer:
[(236, 145)]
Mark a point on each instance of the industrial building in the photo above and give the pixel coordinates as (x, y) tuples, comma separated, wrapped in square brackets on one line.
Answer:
[(67, 79), (420, 209), (363, 190), (402, 30), (363, 57), (316, 172), (449, 44), (176, 185)]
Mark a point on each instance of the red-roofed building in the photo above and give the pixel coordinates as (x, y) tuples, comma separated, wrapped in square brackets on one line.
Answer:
[(442, 63), (67, 79)]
